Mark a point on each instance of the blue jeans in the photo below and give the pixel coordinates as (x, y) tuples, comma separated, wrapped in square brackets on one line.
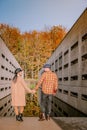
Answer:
[(46, 103)]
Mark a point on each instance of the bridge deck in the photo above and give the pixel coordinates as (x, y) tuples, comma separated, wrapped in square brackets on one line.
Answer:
[(32, 123)]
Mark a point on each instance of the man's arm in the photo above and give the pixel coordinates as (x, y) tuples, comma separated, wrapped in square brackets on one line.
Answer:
[(39, 82)]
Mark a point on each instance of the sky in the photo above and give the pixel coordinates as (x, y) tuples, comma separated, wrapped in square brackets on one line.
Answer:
[(29, 15)]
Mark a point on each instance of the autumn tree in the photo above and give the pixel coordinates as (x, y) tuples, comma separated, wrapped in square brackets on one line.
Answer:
[(12, 37), (57, 33), (32, 49)]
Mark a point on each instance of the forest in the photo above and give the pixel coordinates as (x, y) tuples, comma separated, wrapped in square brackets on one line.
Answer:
[(33, 48)]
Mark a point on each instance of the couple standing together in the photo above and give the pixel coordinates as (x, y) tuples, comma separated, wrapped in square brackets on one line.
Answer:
[(49, 85)]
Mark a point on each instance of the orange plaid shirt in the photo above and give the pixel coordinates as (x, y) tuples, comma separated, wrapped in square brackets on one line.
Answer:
[(49, 82)]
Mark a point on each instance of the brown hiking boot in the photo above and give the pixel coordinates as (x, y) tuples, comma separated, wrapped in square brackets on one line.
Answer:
[(48, 117), (41, 117)]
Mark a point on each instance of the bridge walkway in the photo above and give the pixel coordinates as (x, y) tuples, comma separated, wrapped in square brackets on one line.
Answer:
[(55, 123)]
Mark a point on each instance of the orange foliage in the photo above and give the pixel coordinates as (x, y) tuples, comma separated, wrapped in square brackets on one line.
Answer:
[(32, 49)]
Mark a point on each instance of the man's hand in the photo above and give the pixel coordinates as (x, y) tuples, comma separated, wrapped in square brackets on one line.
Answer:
[(33, 91), (54, 92)]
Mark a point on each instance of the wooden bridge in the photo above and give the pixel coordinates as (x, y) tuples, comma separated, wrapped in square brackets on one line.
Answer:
[(32, 123)]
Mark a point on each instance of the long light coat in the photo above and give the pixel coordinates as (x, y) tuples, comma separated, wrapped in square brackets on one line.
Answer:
[(18, 91)]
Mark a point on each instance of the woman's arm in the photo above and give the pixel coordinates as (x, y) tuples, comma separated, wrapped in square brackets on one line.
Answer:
[(25, 86)]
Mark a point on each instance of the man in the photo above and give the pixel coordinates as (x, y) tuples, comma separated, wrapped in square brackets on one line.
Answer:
[(49, 84)]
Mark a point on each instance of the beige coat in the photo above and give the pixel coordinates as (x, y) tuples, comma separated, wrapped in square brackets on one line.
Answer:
[(18, 90)]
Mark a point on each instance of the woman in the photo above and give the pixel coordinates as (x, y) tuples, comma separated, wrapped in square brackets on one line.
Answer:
[(18, 89)]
